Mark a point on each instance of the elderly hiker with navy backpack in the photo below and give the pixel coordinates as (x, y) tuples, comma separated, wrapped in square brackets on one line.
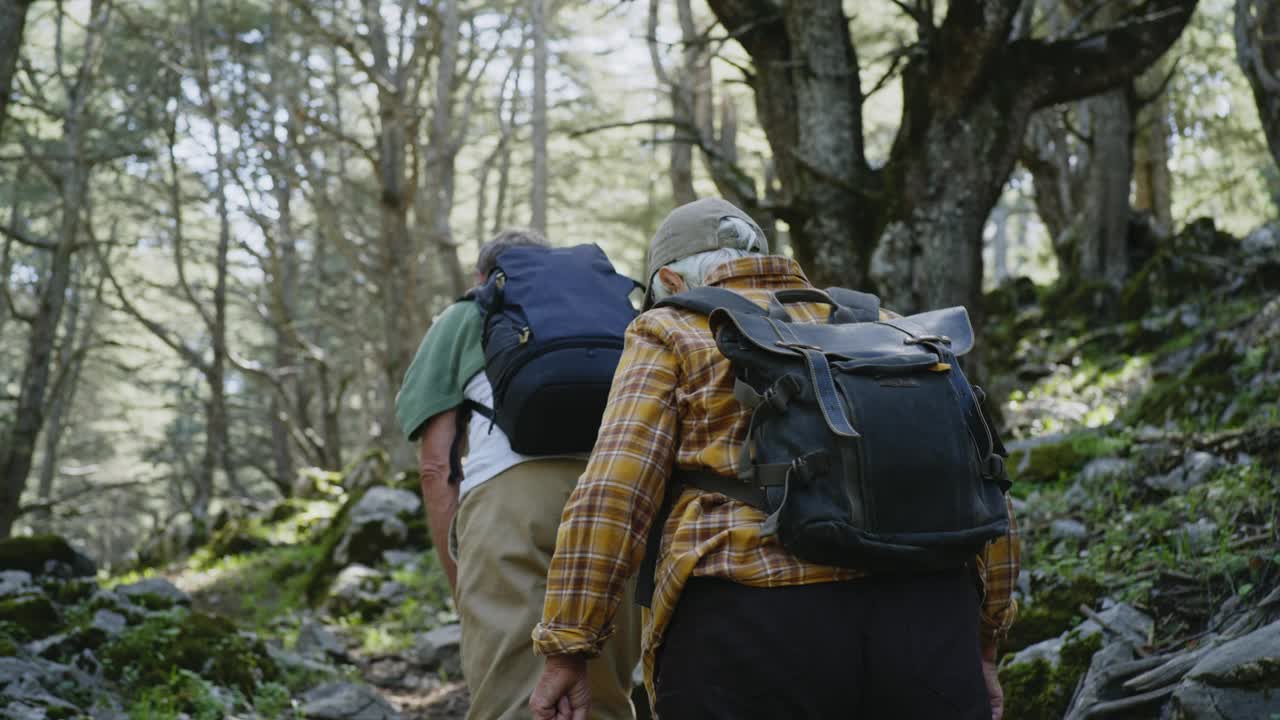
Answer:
[(515, 377), (808, 488)]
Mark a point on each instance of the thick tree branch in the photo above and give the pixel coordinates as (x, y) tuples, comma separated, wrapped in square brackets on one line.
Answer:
[(1071, 69)]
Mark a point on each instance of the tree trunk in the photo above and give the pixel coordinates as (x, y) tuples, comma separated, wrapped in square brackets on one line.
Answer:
[(443, 143), (1153, 181), (77, 337), (1104, 222), (1258, 51), (17, 449), (13, 20), (538, 192), (681, 93), (968, 92)]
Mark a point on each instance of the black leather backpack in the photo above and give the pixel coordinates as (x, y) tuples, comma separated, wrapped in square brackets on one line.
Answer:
[(868, 448)]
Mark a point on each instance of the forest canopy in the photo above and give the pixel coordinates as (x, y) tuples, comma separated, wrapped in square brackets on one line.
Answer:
[(226, 226)]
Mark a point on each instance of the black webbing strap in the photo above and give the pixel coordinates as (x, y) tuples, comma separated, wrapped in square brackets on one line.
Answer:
[(995, 465), (865, 307), (461, 422), (703, 300)]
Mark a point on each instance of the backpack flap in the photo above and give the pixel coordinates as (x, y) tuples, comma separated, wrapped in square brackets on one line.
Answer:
[(871, 343)]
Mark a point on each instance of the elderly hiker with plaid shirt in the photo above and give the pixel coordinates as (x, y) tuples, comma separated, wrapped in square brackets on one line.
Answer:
[(739, 626), (495, 513)]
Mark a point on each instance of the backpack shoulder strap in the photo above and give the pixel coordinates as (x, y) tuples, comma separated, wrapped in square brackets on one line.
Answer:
[(703, 300), (865, 306)]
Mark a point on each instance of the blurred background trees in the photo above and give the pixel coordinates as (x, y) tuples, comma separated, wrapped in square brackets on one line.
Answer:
[(226, 226)]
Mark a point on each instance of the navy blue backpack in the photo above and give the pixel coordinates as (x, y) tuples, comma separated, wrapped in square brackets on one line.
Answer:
[(554, 320)]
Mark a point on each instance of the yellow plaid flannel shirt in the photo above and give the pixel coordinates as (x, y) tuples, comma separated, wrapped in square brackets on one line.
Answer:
[(671, 405)]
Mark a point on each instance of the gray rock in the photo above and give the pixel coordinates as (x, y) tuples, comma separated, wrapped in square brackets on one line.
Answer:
[(401, 558), (355, 590), (1124, 625), (1076, 497), (109, 623), (15, 582), (1262, 241), (1066, 528), (379, 521), (1098, 684), (12, 670), (346, 701), (440, 648), (119, 603), (1200, 534), (1132, 625), (153, 589), (1194, 470), (317, 641), (1238, 680), (293, 662), (1100, 470)]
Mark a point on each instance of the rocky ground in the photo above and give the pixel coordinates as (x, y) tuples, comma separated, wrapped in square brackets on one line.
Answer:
[(1147, 480), (1144, 430)]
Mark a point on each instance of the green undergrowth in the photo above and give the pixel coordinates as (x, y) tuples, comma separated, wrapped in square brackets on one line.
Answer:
[(1040, 691), (428, 604)]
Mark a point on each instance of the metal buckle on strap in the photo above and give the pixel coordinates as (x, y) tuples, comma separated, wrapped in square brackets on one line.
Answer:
[(797, 346), (923, 339)]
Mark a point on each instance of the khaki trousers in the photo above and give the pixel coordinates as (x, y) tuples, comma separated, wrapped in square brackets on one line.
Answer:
[(506, 533)]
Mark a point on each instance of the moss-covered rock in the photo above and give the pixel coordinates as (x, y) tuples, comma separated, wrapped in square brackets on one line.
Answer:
[(37, 553), (239, 536), (1051, 611), (1048, 459), (1040, 690), (34, 613), (147, 655)]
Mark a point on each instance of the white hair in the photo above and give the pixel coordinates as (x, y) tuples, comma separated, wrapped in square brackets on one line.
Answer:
[(740, 240)]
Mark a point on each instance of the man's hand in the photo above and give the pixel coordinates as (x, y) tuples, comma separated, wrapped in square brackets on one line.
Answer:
[(562, 692), (991, 674)]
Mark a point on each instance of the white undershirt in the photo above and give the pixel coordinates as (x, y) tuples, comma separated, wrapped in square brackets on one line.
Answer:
[(488, 449)]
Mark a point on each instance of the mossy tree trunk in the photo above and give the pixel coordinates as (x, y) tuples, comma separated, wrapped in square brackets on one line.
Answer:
[(1258, 51), (968, 93), (13, 21)]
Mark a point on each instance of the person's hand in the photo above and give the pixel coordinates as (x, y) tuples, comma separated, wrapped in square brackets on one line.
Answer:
[(562, 692), (991, 673)]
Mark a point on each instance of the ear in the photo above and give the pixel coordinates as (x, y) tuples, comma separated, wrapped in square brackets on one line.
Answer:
[(672, 279)]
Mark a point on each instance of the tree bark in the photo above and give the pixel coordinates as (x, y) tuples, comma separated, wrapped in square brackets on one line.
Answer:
[(1153, 181), (538, 191), (13, 21), (1104, 223), (17, 450), (968, 92), (1258, 52)]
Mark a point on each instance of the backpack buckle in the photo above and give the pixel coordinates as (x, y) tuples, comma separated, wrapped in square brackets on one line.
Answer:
[(796, 346), (924, 339)]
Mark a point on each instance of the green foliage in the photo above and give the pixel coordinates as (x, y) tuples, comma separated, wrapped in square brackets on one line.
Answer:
[(1052, 611), (1049, 462), (145, 656), (273, 700), (35, 614), (11, 636), (183, 692), (427, 605)]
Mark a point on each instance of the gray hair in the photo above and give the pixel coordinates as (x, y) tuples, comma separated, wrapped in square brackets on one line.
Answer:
[(503, 241), (739, 240)]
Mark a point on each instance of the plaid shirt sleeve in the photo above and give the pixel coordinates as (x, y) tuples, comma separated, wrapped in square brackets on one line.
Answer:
[(606, 520), (998, 565)]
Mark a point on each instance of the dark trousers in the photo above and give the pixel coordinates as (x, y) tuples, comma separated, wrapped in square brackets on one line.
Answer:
[(898, 648)]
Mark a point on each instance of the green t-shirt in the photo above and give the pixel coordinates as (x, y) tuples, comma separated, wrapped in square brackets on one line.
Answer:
[(448, 357)]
